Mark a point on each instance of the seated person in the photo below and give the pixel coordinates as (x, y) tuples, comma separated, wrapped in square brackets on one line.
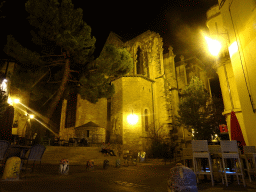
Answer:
[(111, 152), (103, 148)]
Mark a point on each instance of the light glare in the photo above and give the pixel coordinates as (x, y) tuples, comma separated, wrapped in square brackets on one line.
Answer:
[(214, 46), (16, 100), (132, 119), (9, 101), (233, 48)]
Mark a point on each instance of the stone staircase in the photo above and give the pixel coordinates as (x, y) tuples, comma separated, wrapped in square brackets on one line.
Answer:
[(77, 155)]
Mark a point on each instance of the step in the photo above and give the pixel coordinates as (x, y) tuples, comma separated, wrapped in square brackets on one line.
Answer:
[(76, 155)]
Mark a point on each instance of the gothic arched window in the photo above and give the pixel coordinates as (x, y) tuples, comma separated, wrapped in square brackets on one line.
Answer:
[(71, 110), (139, 65), (146, 119)]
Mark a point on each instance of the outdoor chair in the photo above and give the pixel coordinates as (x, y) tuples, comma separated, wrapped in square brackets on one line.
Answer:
[(200, 151), (249, 156), (133, 156), (35, 154), (187, 155), (215, 151), (4, 145), (71, 141), (229, 150)]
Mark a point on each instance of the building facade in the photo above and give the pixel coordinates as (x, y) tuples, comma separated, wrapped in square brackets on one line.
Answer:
[(15, 120), (233, 23), (149, 92)]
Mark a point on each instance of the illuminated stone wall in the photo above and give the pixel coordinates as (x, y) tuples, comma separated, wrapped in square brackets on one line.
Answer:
[(85, 112), (236, 64), (151, 85)]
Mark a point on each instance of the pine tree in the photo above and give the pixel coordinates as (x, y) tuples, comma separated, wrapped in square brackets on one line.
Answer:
[(58, 26)]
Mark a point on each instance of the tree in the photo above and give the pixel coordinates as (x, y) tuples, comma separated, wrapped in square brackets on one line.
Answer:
[(96, 79), (58, 26), (198, 111)]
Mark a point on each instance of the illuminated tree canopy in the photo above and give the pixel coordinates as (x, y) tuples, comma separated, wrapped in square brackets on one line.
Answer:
[(199, 111)]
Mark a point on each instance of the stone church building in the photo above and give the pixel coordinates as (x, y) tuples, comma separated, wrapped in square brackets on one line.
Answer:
[(149, 92)]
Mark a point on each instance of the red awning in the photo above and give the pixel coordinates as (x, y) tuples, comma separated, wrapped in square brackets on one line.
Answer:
[(236, 132)]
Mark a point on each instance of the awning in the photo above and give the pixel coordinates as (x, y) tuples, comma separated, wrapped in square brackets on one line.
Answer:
[(236, 132)]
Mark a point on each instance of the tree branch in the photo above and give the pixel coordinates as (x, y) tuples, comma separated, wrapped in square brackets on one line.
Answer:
[(74, 71), (54, 82), (40, 79), (73, 81)]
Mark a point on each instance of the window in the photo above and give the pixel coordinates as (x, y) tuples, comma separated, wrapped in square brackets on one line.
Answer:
[(109, 110), (88, 131), (139, 66), (71, 110), (146, 65), (146, 119)]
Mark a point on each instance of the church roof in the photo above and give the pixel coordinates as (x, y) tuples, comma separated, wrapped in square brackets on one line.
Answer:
[(89, 124), (114, 39)]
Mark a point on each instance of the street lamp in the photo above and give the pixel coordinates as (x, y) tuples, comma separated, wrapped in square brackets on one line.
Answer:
[(214, 48), (132, 119), (213, 45)]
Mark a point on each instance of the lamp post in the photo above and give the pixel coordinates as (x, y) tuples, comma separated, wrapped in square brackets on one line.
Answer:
[(214, 47)]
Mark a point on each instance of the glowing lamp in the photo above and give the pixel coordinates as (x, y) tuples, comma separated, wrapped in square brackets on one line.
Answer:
[(16, 100), (31, 116), (9, 101), (132, 119), (213, 45)]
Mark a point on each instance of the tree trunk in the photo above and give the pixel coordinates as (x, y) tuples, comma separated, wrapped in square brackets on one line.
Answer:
[(59, 93)]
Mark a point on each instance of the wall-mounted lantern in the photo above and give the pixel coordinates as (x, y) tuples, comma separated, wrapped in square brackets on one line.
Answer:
[(132, 119)]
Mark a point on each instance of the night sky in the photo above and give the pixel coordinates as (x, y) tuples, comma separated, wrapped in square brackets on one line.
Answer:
[(179, 22)]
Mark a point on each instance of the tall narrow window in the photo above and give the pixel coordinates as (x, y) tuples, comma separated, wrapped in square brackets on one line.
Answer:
[(109, 110), (71, 110), (146, 119), (139, 61), (146, 65)]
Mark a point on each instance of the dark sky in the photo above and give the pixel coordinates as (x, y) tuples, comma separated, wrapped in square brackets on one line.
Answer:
[(177, 21)]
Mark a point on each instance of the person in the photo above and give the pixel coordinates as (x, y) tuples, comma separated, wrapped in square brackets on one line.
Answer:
[(103, 148), (111, 152)]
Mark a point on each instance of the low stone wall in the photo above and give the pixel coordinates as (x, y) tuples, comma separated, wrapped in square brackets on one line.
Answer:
[(75, 155)]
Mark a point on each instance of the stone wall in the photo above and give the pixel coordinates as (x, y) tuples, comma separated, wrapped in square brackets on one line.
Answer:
[(85, 112)]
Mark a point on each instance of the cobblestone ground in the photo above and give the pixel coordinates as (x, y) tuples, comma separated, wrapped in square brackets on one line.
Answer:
[(139, 178)]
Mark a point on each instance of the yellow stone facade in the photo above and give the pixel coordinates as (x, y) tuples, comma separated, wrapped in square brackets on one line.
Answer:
[(233, 23), (149, 90)]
